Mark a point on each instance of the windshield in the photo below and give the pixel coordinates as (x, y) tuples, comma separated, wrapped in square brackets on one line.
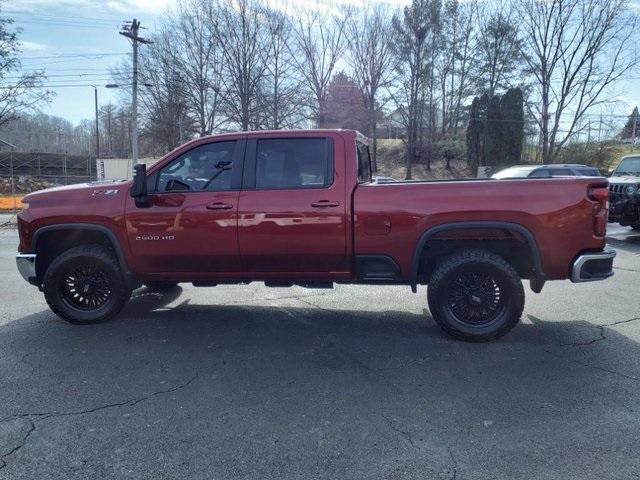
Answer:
[(628, 166)]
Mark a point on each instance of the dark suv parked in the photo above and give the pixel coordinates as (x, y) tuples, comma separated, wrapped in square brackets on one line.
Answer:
[(624, 192)]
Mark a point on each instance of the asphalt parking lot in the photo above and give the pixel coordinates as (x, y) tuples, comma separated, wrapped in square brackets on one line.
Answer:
[(356, 382)]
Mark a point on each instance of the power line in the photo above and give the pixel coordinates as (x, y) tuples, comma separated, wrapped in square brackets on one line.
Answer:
[(68, 24), (10, 87), (75, 55), (63, 75), (31, 13)]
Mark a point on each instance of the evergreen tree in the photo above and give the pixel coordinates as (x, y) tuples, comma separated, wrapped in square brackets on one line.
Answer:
[(496, 129), (512, 126), (494, 138), (627, 131)]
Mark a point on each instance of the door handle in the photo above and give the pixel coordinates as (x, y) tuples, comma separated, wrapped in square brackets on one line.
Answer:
[(219, 206), (325, 204)]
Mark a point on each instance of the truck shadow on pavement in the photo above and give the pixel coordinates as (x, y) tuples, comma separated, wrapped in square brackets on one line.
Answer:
[(244, 391), (629, 242)]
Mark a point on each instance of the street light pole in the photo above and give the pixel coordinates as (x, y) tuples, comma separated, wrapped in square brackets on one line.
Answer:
[(95, 91)]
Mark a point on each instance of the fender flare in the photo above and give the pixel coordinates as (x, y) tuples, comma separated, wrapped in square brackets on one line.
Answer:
[(128, 275), (538, 279)]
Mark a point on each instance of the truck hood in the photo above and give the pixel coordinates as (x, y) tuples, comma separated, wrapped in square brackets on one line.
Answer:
[(97, 188), (625, 179)]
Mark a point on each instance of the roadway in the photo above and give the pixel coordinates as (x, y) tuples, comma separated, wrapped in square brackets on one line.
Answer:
[(249, 382)]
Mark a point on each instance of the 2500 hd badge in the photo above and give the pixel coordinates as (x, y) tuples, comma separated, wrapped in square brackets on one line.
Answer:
[(155, 237)]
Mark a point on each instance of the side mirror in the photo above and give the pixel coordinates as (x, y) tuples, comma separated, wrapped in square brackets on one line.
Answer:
[(139, 188)]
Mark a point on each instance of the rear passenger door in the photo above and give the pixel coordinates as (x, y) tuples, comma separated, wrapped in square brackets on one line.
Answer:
[(291, 210)]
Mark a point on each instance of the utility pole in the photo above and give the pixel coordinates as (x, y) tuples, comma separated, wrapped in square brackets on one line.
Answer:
[(600, 129), (635, 122), (130, 30)]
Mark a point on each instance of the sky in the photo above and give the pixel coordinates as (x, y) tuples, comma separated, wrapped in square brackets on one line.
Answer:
[(77, 42)]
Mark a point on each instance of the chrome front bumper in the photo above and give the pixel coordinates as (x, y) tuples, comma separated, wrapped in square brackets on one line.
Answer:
[(592, 266), (27, 267)]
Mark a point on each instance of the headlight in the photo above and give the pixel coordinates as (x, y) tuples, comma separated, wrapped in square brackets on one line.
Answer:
[(630, 190)]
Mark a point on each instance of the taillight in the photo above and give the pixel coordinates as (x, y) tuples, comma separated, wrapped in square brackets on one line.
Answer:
[(600, 194)]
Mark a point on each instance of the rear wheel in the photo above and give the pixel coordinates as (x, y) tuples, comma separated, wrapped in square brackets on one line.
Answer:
[(475, 295), (85, 285)]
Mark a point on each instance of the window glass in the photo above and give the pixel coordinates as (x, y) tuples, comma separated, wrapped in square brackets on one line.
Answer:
[(515, 172), (561, 172), (207, 167), (630, 165), (364, 163), (542, 173), (293, 163), (588, 172)]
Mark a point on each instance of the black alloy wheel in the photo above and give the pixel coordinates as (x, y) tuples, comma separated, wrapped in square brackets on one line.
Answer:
[(475, 295), (85, 285)]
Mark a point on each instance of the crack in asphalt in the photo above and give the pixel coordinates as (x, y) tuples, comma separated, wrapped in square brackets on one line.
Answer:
[(313, 304), (626, 269), (406, 435), (454, 464), (30, 430), (601, 330), (594, 367), (31, 417), (289, 297)]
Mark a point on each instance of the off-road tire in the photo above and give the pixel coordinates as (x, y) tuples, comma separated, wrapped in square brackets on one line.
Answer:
[(504, 284), (98, 259), (160, 286)]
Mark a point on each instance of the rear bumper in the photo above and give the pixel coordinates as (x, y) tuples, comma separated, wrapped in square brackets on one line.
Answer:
[(592, 266), (27, 267)]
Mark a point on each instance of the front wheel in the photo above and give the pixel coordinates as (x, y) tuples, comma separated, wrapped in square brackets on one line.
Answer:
[(84, 285), (475, 296)]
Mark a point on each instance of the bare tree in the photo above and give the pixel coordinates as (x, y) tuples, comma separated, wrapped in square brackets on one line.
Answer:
[(240, 31), (499, 52), (414, 32), (283, 99), (19, 92), (199, 62), (320, 39), (107, 114), (372, 61), (574, 50), (162, 96), (457, 49)]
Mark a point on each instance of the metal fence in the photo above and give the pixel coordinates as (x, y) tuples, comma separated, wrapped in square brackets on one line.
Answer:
[(24, 172)]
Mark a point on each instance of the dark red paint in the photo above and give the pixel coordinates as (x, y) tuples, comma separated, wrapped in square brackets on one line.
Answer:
[(294, 234)]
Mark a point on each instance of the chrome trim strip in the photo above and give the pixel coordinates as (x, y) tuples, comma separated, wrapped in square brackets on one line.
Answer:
[(26, 263), (579, 262)]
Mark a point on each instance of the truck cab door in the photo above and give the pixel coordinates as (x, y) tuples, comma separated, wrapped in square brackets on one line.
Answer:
[(292, 209), (190, 229)]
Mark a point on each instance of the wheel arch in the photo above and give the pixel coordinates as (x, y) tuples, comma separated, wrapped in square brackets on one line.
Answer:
[(82, 229), (538, 279)]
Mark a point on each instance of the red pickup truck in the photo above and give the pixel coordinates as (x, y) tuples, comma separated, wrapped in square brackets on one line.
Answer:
[(300, 208)]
